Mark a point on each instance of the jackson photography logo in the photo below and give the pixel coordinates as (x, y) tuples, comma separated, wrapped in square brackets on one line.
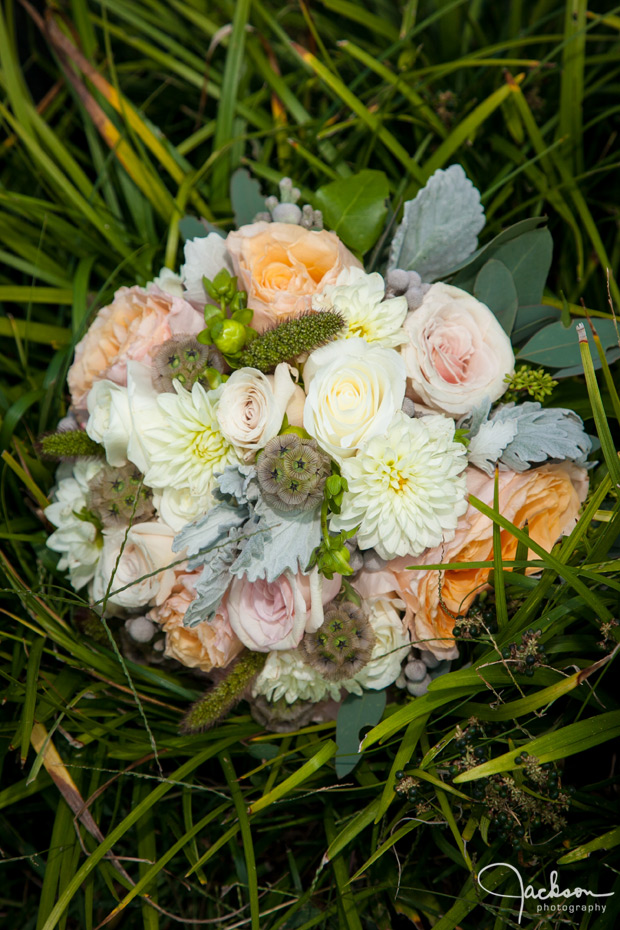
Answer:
[(548, 900)]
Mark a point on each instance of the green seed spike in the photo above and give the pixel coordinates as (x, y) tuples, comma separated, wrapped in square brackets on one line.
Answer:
[(70, 444), (220, 699), (291, 339)]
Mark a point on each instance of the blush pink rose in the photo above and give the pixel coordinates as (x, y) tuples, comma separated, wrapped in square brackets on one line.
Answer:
[(281, 266), (209, 644), (136, 322), (548, 499), (457, 354), (274, 615)]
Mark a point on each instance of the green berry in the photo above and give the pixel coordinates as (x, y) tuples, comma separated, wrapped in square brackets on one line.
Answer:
[(228, 336)]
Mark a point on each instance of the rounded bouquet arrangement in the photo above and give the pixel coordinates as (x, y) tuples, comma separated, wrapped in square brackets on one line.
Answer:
[(271, 455)]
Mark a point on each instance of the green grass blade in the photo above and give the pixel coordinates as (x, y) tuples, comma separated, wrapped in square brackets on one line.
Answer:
[(246, 837)]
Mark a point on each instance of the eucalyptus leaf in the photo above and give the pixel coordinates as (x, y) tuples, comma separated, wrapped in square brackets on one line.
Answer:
[(355, 208), (558, 347), (466, 271), (246, 197), (528, 258), (530, 319), (495, 287), (611, 355), (440, 225), (355, 713)]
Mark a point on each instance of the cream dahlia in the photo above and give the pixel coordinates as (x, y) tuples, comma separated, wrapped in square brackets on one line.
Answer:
[(189, 449), (358, 297), (406, 491)]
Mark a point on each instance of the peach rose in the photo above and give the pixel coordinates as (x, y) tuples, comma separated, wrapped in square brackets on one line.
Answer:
[(274, 615), (457, 354), (546, 498), (136, 321), (208, 644), (281, 266)]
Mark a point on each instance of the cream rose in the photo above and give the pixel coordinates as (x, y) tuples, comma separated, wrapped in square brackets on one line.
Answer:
[(457, 353), (546, 498), (281, 266), (274, 615), (177, 507), (110, 420), (353, 392), (144, 575), (206, 645), (252, 407), (136, 321)]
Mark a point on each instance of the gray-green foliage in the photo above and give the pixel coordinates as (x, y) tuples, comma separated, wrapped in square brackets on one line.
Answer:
[(523, 435), (399, 87), (440, 226)]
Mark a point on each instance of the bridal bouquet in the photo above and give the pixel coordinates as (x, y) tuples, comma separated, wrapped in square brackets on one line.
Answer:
[(264, 451)]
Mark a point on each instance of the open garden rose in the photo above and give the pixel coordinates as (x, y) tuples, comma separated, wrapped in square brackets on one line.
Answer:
[(209, 644), (252, 406), (136, 321), (457, 355), (282, 265), (144, 572), (274, 615), (547, 499), (353, 392)]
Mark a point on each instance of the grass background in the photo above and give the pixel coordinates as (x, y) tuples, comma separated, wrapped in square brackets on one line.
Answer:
[(119, 119)]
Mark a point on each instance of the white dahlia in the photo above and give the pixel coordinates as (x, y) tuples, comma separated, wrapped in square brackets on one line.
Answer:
[(188, 449), (406, 491), (358, 297)]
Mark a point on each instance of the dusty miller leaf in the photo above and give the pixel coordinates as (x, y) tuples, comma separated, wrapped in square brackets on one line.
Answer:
[(538, 434), (276, 542), (440, 226)]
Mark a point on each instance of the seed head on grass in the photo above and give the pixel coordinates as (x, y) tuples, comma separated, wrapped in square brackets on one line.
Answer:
[(219, 700)]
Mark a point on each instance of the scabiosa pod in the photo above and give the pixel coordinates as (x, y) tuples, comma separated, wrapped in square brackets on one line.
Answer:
[(69, 444), (342, 646), (291, 339), (218, 701), (292, 472), (280, 716), (118, 495), (187, 361)]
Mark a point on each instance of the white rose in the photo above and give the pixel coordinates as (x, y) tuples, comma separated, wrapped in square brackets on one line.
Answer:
[(110, 420), (143, 576), (354, 389), (457, 354), (252, 407), (177, 507), (145, 414), (391, 645)]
